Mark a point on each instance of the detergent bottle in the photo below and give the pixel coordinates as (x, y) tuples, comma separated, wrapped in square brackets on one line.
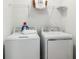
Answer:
[(24, 27)]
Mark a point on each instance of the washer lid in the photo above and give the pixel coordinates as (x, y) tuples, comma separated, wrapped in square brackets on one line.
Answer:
[(20, 36), (56, 35)]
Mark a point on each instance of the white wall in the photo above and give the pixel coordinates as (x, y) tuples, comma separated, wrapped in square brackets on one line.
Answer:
[(37, 18), (8, 19)]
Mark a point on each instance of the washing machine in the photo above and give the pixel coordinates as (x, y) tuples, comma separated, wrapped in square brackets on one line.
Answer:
[(22, 46), (56, 45)]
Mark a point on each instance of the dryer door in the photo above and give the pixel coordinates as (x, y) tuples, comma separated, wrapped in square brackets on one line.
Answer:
[(60, 49)]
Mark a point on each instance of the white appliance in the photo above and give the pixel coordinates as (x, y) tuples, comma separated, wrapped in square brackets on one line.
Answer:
[(56, 45), (22, 46)]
